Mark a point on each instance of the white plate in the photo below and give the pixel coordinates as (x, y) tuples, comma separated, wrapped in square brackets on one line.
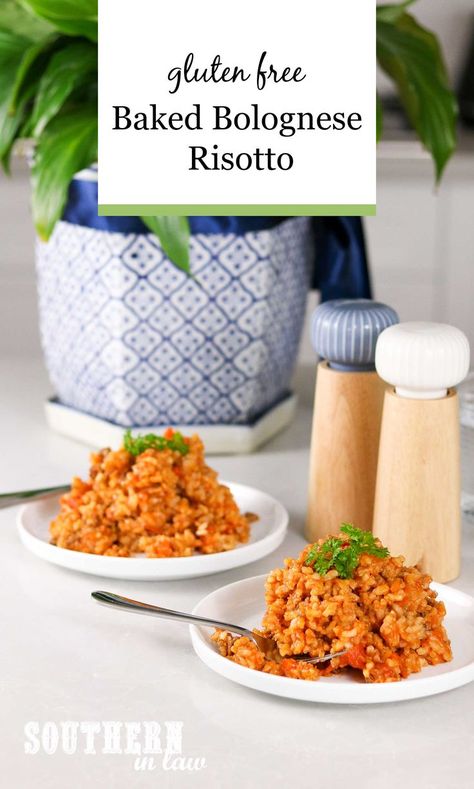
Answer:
[(243, 603), (266, 535)]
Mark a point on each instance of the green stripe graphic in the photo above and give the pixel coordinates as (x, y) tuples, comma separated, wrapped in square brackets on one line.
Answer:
[(236, 210)]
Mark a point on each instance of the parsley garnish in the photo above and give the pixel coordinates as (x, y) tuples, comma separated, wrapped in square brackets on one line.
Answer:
[(342, 554), (138, 444)]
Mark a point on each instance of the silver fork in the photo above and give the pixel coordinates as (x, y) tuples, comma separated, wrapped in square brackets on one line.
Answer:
[(22, 496), (268, 646)]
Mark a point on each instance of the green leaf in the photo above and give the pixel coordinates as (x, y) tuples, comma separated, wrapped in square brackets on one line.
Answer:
[(67, 145), (68, 69), (21, 63), (35, 55), (17, 19), (379, 117), (74, 17), (12, 48), (173, 233), (392, 12), (12, 130), (412, 57)]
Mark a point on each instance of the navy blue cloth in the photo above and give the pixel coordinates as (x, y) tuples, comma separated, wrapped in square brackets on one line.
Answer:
[(340, 265), (81, 209)]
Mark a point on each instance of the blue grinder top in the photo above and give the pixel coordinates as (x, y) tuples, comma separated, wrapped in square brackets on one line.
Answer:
[(345, 332)]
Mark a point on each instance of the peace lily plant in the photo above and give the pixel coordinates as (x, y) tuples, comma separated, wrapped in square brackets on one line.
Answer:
[(48, 93)]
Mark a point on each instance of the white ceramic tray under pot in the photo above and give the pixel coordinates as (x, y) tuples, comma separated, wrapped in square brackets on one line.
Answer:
[(218, 439)]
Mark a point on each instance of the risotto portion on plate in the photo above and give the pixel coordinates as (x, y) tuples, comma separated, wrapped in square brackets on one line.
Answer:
[(347, 593), (155, 496)]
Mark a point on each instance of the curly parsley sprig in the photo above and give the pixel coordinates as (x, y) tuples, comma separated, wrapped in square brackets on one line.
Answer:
[(138, 444), (342, 553)]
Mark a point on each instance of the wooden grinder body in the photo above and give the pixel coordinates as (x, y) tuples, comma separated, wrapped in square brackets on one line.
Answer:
[(344, 448), (417, 502)]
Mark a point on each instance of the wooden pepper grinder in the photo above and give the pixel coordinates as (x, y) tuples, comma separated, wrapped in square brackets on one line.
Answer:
[(347, 414), (417, 502)]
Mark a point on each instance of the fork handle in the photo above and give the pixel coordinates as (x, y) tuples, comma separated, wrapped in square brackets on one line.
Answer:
[(117, 601), (22, 496)]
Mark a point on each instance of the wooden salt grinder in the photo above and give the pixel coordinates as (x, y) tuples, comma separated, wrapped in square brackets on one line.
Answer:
[(417, 502), (347, 414)]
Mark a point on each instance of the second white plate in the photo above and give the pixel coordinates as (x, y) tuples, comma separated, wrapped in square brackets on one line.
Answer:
[(266, 535), (243, 603)]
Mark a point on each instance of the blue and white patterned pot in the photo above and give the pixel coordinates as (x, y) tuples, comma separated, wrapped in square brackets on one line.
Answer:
[(129, 338)]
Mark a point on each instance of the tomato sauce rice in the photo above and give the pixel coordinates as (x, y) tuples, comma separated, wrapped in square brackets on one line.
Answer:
[(385, 615), (161, 503)]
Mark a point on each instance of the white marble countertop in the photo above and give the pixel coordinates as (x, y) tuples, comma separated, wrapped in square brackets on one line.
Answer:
[(64, 658)]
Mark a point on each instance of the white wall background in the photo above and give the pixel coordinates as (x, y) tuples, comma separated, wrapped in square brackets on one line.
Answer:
[(18, 316)]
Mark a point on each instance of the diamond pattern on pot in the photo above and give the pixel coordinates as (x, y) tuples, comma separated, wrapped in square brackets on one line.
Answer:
[(165, 278), (185, 378), (117, 318), (210, 320), (239, 255), (234, 300), (144, 379), (213, 277), (189, 299), (231, 340), (142, 339), (142, 300), (94, 297), (118, 358), (116, 277), (189, 339), (183, 411), (165, 358), (142, 412), (208, 358), (130, 338), (163, 397), (141, 257), (204, 395), (122, 395), (257, 319), (227, 378), (166, 319)]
